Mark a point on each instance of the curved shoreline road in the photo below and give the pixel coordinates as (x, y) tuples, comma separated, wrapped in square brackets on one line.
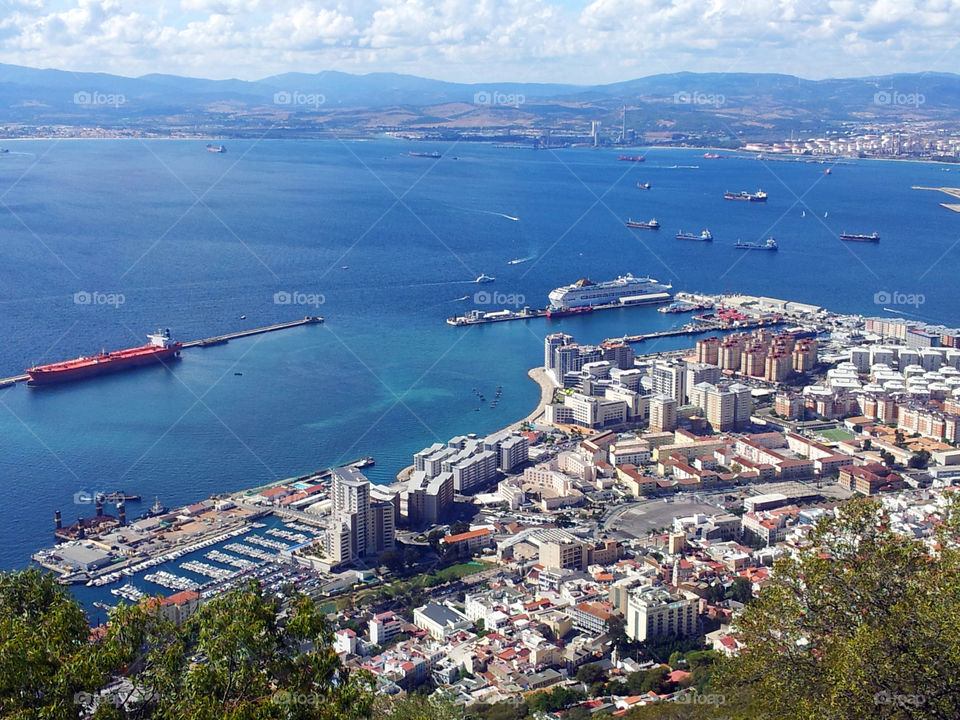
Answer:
[(540, 377)]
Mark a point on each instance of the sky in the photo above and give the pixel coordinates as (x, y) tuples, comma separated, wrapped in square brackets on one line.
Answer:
[(570, 41)]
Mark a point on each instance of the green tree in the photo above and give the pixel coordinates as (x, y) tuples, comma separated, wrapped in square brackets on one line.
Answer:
[(417, 707), (45, 657), (411, 556), (590, 673), (741, 590), (656, 681), (392, 560), (459, 527), (862, 623), (919, 460)]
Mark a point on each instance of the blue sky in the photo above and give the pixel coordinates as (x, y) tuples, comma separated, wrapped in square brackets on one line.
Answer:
[(484, 40)]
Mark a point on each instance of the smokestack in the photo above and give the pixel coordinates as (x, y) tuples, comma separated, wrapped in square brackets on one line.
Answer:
[(99, 507), (57, 520), (80, 532), (122, 512)]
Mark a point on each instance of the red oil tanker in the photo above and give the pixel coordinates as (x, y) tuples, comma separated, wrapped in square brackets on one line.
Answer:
[(160, 349)]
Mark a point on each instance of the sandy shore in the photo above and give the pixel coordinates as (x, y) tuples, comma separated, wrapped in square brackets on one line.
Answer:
[(540, 377)]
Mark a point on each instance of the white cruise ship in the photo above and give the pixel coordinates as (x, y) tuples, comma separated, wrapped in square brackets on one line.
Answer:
[(626, 289)]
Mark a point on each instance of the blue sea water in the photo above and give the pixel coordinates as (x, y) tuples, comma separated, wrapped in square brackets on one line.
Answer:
[(193, 240)]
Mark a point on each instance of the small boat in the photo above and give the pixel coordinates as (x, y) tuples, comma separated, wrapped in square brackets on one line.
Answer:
[(651, 224), (643, 186), (216, 148), (517, 261), (705, 236), (828, 171), (631, 158), (854, 237), (433, 155), (484, 278), (711, 156), (243, 317), (238, 373)]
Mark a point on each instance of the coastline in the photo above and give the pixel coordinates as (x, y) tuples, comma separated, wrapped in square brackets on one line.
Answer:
[(547, 388)]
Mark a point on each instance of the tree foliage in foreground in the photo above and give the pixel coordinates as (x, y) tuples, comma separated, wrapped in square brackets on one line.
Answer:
[(863, 624)]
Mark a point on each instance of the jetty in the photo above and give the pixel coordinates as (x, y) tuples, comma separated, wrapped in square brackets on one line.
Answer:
[(698, 329), (207, 342)]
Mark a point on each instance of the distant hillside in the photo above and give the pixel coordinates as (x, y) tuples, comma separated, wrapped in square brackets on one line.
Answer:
[(741, 104)]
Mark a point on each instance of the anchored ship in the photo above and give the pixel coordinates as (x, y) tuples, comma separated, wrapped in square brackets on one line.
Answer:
[(770, 244), (652, 224), (705, 236), (433, 155), (160, 349), (217, 148), (631, 158), (874, 237), (758, 196), (643, 186), (586, 292)]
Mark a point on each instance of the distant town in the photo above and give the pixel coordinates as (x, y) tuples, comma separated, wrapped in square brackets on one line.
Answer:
[(641, 505)]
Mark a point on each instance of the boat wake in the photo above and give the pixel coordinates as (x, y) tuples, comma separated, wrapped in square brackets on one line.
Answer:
[(488, 212)]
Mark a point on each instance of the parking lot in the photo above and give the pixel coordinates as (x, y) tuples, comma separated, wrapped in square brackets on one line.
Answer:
[(638, 519)]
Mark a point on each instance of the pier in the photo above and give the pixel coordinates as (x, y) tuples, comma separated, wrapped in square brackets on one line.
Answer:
[(478, 317), (207, 342), (697, 329)]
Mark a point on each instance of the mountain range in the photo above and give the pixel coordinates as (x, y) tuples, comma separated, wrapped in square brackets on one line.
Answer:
[(731, 104)]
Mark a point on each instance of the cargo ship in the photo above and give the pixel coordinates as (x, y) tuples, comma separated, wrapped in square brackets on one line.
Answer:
[(586, 292), (705, 236), (217, 148), (758, 196), (631, 158), (652, 224), (770, 244), (160, 349), (874, 237), (643, 186), (432, 155)]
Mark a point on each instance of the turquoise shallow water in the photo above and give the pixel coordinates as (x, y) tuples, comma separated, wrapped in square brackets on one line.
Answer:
[(194, 240)]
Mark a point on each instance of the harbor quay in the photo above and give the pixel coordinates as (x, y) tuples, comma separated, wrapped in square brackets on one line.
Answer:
[(638, 486)]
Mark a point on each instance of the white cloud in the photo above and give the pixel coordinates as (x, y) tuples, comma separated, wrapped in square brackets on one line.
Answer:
[(484, 40)]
